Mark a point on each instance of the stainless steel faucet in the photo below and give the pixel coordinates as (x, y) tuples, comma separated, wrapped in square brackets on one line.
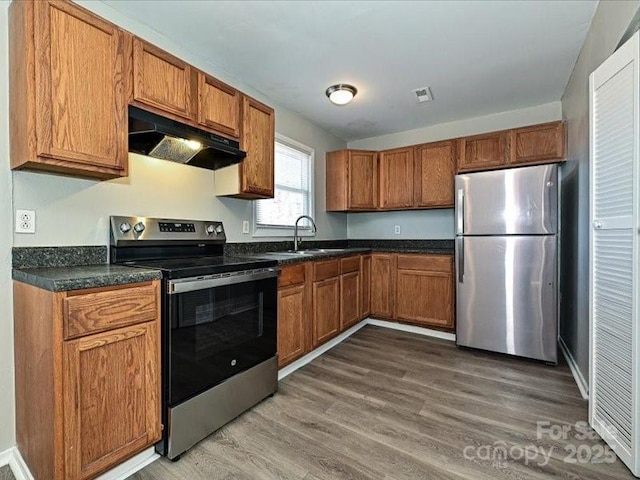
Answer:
[(295, 230)]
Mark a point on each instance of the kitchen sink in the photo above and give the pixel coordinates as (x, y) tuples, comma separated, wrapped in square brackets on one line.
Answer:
[(311, 251)]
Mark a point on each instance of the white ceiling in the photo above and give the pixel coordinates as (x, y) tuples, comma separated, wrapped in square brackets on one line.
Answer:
[(478, 57)]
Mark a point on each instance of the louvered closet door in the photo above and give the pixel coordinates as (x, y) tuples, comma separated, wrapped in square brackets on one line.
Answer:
[(614, 401)]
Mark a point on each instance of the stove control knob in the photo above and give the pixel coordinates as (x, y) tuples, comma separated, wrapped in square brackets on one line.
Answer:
[(219, 230), (125, 227), (138, 227), (211, 230)]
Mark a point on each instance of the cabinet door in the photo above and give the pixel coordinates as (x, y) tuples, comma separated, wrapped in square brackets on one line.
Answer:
[(434, 174), (292, 313), (349, 299), (218, 106), (482, 152), (326, 310), (396, 178), (424, 290), (258, 139), (362, 173), (538, 143), (163, 81), (382, 285), (365, 303), (81, 105), (111, 397)]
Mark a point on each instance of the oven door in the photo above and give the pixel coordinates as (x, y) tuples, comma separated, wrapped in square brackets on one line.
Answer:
[(218, 326)]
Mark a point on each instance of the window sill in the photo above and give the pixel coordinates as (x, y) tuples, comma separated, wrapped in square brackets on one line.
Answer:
[(280, 232)]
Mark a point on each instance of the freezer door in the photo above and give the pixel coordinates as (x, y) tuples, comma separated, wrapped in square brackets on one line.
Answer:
[(507, 295), (515, 201)]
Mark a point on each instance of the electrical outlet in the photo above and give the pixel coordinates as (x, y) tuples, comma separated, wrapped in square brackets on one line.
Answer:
[(245, 226), (25, 221), (396, 229)]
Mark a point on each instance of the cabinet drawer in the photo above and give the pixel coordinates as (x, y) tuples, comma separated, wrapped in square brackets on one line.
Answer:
[(351, 264), (326, 269), (433, 263), (101, 310), (291, 275)]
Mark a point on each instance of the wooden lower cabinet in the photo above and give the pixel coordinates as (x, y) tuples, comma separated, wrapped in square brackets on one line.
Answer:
[(365, 293), (350, 291), (425, 290), (326, 301), (111, 399), (382, 284), (293, 313), (417, 289), (86, 404)]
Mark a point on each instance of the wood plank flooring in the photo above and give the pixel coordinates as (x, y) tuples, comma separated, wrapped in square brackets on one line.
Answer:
[(389, 405)]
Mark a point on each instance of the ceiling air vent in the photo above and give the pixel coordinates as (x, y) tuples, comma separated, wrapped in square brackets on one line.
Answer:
[(423, 94)]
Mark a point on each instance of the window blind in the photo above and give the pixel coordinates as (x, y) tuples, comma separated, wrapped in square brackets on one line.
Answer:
[(292, 192)]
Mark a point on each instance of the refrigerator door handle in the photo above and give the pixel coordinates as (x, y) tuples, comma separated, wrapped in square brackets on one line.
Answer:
[(460, 254), (460, 212)]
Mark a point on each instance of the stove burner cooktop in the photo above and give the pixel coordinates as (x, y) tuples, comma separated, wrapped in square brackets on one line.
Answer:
[(180, 248), (200, 266)]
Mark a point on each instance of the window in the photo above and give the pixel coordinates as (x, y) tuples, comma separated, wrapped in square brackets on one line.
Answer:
[(293, 192)]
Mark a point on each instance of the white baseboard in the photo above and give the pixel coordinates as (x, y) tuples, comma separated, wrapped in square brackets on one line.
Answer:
[(16, 463), (131, 466), (412, 329), (583, 386), (301, 362), (11, 456)]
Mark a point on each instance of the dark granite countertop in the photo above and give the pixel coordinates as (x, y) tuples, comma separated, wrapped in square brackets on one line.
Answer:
[(58, 279), (287, 258)]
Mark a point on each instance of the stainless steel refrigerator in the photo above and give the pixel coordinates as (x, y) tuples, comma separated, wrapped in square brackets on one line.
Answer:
[(507, 261)]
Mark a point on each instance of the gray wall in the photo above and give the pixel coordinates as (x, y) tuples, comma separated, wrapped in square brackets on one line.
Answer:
[(7, 437), (435, 223), (607, 27)]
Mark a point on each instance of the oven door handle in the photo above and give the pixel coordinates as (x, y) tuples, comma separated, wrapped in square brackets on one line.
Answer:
[(201, 283)]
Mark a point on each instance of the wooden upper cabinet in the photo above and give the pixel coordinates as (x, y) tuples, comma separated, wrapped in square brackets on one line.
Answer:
[(425, 290), (163, 81), (396, 178), (258, 139), (538, 143), (434, 172), (483, 152), (67, 97), (352, 180), (218, 106)]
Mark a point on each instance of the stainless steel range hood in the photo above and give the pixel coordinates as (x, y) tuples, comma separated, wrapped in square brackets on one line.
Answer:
[(160, 137)]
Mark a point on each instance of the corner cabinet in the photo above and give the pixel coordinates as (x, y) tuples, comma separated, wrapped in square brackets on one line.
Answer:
[(87, 377), (417, 289), (253, 178), (352, 180), (68, 103)]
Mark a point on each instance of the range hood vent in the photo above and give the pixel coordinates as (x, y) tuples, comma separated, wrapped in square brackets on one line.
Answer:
[(160, 137)]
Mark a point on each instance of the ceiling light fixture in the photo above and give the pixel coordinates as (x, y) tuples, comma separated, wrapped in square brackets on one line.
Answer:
[(341, 94)]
